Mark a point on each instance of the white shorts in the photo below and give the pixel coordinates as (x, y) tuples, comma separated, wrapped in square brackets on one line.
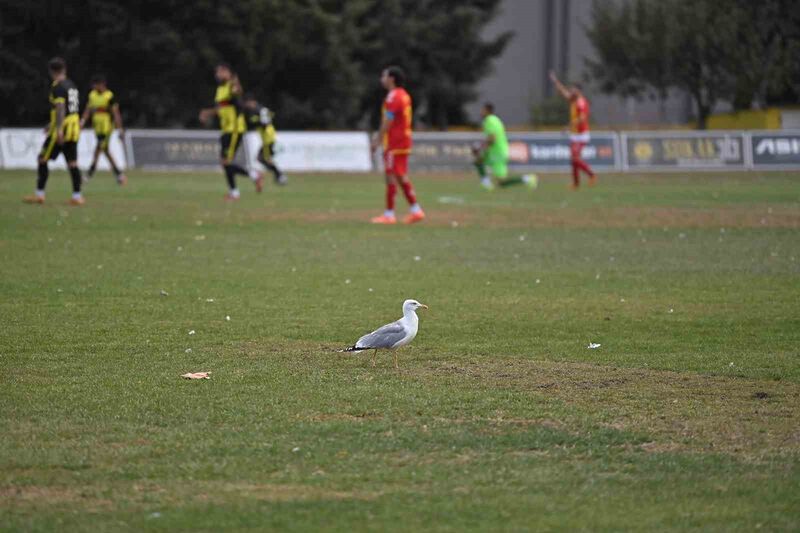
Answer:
[(580, 137)]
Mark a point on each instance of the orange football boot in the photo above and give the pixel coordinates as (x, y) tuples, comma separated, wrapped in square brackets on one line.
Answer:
[(383, 219), (33, 199), (411, 218)]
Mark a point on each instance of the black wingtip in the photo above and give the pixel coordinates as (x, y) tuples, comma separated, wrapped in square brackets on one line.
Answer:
[(353, 348)]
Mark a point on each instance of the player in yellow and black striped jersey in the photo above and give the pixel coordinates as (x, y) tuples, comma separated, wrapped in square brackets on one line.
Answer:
[(63, 132), (102, 106), (232, 126), (259, 119)]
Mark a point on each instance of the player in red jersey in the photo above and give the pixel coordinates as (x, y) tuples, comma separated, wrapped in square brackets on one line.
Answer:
[(579, 129), (395, 135)]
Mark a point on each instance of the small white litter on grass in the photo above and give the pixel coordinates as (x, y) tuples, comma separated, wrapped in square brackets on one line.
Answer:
[(196, 375), (417, 258), (347, 282), (228, 318), (450, 200), (199, 237), (187, 350), (164, 293), (209, 300), (593, 345), (295, 449), (191, 332)]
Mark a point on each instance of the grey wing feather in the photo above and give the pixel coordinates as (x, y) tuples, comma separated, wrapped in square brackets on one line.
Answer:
[(383, 337)]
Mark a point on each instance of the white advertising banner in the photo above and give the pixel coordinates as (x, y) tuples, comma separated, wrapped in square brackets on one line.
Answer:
[(20, 149), (315, 151)]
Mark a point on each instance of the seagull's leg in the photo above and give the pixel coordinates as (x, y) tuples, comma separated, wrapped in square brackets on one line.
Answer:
[(395, 359), (374, 356)]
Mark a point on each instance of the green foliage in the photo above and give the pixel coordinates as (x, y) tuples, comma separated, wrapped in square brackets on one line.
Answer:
[(316, 61), (550, 112), (734, 50)]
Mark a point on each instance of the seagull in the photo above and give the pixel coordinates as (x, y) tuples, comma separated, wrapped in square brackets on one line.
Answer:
[(391, 336)]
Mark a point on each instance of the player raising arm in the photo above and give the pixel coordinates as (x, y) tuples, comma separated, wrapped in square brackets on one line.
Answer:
[(102, 105), (395, 136), (579, 128)]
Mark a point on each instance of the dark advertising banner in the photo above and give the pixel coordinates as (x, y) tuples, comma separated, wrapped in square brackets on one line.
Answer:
[(176, 149), (701, 150), (527, 151), (780, 149)]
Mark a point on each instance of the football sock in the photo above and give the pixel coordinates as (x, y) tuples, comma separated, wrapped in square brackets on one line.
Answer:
[(92, 169), (481, 168), (238, 169), (75, 174), (408, 191), (114, 167), (512, 180), (391, 191), (230, 176), (42, 173), (576, 179), (415, 208)]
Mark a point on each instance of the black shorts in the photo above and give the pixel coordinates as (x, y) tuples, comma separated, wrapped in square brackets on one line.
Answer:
[(229, 144), (51, 149), (102, 140)]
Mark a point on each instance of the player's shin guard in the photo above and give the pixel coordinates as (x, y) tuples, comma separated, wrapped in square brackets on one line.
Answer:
[(41, 179), (408, 191), (75, 174), (513, 180), (391, 191)]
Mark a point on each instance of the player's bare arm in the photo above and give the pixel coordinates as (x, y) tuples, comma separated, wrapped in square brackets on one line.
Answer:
[(118, 120), (376, 139), (560, 86), (206, 114), (86, 113), (61, 111)]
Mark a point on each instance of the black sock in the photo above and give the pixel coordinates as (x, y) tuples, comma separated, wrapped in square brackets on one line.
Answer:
[(513, 180), (230, 175), (75, 174), (43, 172), (272, 167), (238, 169), (92, 169), (114, 167)]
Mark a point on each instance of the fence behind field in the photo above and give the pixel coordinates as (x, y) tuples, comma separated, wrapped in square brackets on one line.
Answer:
[(608, 151)]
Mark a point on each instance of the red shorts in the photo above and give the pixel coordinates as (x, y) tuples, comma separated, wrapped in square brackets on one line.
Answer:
[(395, 164)]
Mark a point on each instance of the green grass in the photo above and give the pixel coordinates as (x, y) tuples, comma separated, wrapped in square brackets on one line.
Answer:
[(499, 417)]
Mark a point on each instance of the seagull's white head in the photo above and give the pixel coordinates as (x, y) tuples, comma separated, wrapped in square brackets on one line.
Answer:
[(412, 305)]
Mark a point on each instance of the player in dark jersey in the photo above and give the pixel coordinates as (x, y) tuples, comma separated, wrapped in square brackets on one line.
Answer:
[(259, 119), (231, 123), (62, 132)]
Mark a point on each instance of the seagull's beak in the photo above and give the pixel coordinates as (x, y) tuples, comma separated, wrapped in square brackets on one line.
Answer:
[(423, 306)]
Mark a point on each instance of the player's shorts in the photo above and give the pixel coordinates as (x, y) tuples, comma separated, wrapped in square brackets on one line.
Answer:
[(102, 140), (580, 137), (395, 164), (229, 144), (51, 149), (497, 163)]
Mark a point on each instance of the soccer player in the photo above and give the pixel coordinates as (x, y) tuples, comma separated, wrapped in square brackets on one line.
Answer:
[(62, 132), (259, 119), (579, 129), (395, 135), (231, 124), (491, 155), (101, 106)]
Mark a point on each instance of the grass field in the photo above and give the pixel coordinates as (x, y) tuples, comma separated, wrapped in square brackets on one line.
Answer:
[(499, 418)]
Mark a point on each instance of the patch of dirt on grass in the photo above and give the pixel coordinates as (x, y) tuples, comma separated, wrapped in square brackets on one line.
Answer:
[(679, 410), (745, 216), (224, 491), (34, 496)]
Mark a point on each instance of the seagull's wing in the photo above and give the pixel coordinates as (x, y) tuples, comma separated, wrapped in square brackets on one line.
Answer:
[(383, 337)]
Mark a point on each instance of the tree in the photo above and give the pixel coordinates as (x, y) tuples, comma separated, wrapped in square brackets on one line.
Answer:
[(714, 50), (315, 61)]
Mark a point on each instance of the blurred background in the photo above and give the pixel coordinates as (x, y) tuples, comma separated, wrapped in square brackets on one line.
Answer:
[(644, 63)]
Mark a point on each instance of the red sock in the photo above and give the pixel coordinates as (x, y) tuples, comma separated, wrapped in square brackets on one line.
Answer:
[(391, 191), (408, 190), (583, 166), (576, 178)]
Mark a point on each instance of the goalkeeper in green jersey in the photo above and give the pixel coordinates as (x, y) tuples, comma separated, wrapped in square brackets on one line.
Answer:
[(491, 155)]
